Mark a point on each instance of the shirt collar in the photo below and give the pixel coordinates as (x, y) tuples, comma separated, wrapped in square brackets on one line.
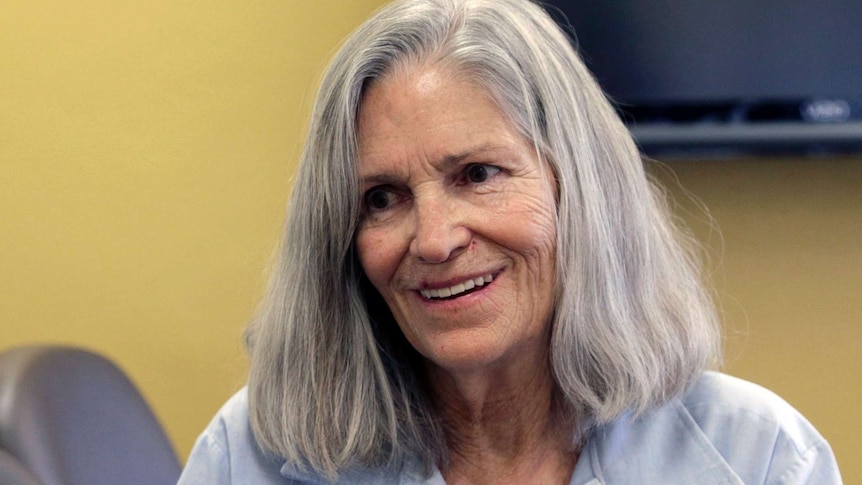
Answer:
[(665, 446), (410, 474)]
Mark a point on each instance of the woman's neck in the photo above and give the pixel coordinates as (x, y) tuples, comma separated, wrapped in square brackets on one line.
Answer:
[(504, 427)]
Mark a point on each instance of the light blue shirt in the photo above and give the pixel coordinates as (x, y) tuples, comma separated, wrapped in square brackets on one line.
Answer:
[(722, 431)]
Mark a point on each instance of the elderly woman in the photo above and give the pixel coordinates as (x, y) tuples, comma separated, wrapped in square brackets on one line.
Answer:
[(479, 284)]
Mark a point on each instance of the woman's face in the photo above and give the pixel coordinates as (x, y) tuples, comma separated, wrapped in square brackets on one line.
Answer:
[(458, 232)]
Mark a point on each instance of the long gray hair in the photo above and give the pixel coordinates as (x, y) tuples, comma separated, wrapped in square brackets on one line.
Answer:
[(333, 382)]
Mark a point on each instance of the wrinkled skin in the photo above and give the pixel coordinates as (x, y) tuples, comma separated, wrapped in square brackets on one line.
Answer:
[(453, 192)]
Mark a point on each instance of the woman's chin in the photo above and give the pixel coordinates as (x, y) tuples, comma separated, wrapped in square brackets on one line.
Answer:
[(462, 355), (466, 355)]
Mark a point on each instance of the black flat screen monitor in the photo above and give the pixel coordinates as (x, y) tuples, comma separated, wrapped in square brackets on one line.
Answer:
[(727, 76)]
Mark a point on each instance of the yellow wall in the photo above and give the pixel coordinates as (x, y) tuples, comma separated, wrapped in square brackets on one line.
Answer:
[(145, 156), (787, 266)]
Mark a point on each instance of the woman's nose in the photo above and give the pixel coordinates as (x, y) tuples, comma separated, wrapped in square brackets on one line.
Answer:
[(439, 233)]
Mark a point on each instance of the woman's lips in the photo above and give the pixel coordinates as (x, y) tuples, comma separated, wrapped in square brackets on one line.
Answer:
[(457, 289)]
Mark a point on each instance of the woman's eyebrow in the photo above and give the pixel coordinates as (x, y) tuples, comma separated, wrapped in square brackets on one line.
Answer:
[(446, 164), (451, 161), (379, 179)]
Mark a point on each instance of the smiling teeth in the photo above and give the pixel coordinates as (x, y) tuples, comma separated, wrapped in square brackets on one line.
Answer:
[(457, 289)]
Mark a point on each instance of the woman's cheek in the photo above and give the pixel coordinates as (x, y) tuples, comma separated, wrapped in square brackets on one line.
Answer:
[(374, 255)]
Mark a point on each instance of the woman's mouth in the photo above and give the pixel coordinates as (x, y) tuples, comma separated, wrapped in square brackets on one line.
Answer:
[(459, 289)]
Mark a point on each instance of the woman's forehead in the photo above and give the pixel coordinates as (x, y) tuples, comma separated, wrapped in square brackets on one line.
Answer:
[(428, 105)]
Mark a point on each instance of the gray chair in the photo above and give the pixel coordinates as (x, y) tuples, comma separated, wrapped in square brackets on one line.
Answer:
[(71, 417), (13, 472)]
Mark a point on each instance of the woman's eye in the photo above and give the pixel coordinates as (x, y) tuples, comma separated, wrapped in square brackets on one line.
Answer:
[(377, 199), (478, 173)]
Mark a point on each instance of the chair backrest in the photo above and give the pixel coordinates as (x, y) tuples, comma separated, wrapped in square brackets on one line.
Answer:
[(72, 417)]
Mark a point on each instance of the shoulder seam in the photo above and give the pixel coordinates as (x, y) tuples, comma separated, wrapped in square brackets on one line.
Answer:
[(803, 457), (216, 442)]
